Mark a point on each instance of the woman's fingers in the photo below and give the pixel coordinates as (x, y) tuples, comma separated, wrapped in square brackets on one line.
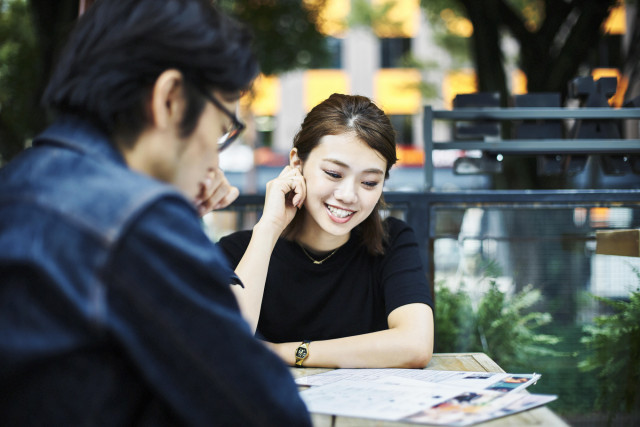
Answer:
[(299, 189), (285, 194), (293, 185)]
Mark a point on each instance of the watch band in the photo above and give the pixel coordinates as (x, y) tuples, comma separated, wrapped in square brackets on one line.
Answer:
[(302, 352)]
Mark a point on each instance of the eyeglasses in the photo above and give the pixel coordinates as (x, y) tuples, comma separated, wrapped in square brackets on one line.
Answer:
[(225, 140)]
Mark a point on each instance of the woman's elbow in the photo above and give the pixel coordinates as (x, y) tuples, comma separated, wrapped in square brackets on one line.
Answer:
[(418, 356)]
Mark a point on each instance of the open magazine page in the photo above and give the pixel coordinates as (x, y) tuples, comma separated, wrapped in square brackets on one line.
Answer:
[(456, 399), (383, 401), (471, 407)]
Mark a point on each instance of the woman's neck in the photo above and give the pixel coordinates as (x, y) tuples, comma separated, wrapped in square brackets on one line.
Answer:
[(318, 240)]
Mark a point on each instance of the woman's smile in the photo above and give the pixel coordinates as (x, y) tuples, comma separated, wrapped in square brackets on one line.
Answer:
[(339, 215), (344, 178)]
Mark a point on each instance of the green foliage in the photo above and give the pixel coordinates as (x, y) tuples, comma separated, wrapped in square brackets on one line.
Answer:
[(428, 90), (507, 329), (285, 32), (614, 341), (556, 38), (434, 8), (576, 391), (502, 326), (455, 45), (19, 74), (454, 320), (365, 14)]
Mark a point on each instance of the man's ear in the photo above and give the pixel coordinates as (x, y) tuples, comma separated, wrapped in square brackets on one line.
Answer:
[(294, 160), (167, 99)]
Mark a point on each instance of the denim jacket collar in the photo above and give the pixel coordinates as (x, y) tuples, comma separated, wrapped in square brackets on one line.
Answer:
[(80, 135)]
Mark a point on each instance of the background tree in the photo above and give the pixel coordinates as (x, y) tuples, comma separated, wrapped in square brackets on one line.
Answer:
[(286, 32), (30, 34), (556, 38), (631, 58), (33, 31), (558, 41)]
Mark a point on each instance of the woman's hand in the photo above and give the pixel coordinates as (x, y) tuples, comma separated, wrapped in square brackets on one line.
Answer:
[(285, 194), (215, 192)]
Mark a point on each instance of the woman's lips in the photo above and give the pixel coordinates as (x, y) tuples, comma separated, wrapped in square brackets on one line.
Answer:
[(339, 215)]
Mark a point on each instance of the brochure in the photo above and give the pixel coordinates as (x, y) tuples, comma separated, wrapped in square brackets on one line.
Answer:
[(420, 396)]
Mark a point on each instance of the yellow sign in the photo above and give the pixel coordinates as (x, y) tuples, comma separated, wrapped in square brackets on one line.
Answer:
[(264, 99), (320, 84), (396, 90)]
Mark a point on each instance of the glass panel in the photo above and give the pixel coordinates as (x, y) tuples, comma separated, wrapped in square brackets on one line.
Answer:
[(485, 251), (551, 248)]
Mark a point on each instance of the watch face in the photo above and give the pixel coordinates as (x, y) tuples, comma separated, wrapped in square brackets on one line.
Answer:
[(301, 352)]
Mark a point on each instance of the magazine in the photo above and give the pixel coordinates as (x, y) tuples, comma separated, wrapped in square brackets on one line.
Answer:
[(420, 396)]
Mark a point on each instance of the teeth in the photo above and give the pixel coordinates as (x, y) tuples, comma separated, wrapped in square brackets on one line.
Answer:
[(340, 213)]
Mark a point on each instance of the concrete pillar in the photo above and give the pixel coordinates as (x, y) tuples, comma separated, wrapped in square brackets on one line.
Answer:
[(292, 110), (361, 59)]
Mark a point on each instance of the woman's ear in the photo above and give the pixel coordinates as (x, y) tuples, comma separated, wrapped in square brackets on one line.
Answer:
[(294, 160)]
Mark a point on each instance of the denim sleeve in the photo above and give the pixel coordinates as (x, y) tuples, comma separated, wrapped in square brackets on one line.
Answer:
[(171, 309)]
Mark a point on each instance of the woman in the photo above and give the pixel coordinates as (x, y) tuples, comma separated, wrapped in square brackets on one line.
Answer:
[(327, 282)]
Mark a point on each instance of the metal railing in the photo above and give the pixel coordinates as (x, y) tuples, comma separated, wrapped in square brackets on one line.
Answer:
[(419, 209), (582, 146)]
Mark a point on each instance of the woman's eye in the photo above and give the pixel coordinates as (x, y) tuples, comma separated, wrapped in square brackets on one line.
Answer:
[(332, 174), (370, 184)]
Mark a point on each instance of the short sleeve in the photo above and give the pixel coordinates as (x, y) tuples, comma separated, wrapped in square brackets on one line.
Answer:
[(403, 276)]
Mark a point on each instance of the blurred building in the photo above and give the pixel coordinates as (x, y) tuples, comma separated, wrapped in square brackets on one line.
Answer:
[(365, 61), (370, 61)]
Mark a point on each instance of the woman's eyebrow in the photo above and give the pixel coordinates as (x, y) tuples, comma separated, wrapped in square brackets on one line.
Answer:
[(346, 166)]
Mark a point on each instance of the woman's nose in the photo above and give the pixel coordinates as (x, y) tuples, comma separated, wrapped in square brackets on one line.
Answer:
[(346, 192)]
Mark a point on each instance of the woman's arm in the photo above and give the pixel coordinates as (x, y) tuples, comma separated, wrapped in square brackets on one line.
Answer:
[(284, 195), (408, 343)]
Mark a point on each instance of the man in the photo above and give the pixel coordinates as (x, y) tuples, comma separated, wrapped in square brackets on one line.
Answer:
[(115, 307)]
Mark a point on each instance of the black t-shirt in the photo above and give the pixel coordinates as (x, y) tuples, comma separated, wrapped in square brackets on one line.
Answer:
[(351, 293)]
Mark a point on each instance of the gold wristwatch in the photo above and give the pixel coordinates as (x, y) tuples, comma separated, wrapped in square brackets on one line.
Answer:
[(302, 352)]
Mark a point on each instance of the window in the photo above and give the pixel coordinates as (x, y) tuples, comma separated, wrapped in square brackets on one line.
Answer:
[(393, 51), (334, 60), (403, 124), (265, 125)]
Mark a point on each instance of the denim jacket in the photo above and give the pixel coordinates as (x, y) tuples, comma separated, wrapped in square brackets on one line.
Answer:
[(115, 308)]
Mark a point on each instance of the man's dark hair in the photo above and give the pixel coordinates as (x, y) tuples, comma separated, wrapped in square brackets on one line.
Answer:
[(120, 47)]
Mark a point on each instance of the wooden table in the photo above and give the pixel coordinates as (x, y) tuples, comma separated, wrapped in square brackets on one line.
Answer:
[(473, 362)]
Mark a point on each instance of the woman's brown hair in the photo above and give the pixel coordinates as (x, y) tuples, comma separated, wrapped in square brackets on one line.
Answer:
[(341, 114)]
